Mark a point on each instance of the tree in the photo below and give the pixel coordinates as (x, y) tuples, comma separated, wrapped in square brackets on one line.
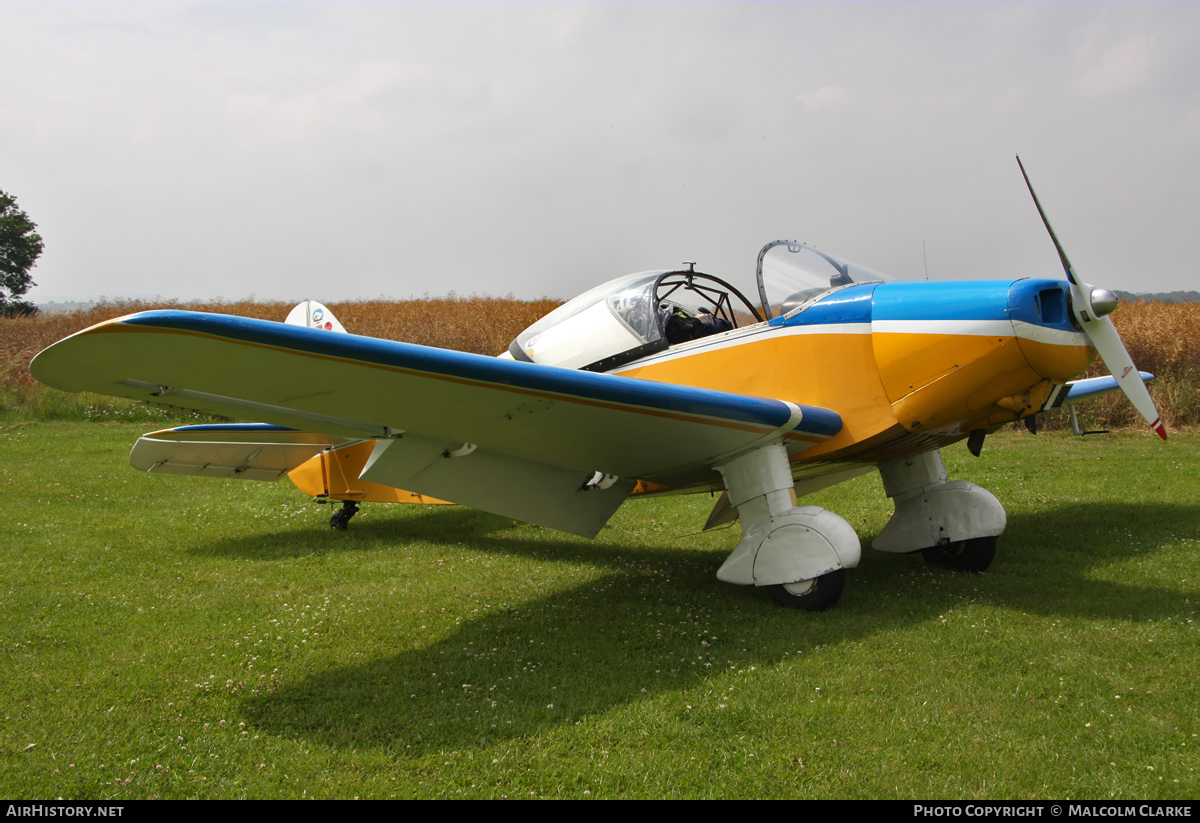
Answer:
[(20, 247)]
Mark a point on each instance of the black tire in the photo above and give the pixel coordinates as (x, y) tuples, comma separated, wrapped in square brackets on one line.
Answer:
[(821, 595), (974, 555), (341, 518)]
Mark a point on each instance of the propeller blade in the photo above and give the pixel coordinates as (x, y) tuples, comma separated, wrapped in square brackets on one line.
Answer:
[(1104, 337), (1062, 255), (1092, 317)]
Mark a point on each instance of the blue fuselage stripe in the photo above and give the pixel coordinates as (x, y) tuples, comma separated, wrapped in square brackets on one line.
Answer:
[(1040, 302), (849, 305), (933, 300)]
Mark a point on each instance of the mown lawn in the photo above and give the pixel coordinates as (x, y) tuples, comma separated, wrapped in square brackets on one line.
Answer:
[(182, 637)]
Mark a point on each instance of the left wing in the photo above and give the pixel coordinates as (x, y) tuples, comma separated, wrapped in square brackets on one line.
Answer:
[(505, 435)]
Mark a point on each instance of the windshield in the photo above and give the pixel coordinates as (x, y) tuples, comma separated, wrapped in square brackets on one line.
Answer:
[(792, 274), (635, 306)]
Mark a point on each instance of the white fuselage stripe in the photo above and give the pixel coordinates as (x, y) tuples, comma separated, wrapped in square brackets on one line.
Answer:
[(986, 328), (740, 337), (979, 328), (1042, 334)]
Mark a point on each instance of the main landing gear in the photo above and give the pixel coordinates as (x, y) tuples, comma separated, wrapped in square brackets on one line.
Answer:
[(798, 553), (341, 518), (953, 524)]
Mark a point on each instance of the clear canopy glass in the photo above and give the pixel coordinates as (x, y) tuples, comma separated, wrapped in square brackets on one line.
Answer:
[(632, 316), (793, 274)]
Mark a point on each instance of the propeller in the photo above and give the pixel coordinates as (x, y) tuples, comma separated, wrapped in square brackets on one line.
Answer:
[(1092, 307)]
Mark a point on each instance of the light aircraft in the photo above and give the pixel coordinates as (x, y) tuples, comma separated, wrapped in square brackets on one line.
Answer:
[(660, 382)]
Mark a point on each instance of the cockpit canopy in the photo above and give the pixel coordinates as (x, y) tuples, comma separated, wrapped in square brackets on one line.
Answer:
[(791, 275), (639, 314), (633, 316)]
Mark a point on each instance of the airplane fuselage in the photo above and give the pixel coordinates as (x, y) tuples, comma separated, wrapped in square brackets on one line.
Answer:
[(909, 365)]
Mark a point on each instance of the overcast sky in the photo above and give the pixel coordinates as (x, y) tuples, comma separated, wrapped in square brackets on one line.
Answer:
[(335, 151)]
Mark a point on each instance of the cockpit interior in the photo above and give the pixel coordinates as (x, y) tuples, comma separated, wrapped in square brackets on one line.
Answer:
[(640, 314)]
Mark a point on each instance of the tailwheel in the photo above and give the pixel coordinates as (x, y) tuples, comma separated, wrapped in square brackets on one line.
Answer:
[(341, 518), (974, 555), (814, 595)]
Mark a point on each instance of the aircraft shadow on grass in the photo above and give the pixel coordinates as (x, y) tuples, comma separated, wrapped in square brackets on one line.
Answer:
[(660, 622)]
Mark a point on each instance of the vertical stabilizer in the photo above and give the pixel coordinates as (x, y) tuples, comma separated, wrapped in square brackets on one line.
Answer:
[(312, 314)]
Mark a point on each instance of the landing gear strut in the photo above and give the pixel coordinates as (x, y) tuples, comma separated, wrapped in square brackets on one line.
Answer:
[(798, 553), (341, 518), (954, 524)]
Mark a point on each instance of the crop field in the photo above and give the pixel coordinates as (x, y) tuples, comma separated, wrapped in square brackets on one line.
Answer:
[(482, 325), (1162, 338), (181, 637)]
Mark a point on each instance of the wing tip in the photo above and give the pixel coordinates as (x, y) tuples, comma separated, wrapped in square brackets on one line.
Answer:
[(817, 420)]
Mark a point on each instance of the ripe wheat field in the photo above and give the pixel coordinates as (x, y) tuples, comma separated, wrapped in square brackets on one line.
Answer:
[(1162, 338)]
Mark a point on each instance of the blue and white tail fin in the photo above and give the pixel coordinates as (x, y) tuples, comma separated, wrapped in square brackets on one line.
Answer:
[(313, 315)]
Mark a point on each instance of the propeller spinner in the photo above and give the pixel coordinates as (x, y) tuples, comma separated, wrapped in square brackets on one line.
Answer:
[(1091, 307)]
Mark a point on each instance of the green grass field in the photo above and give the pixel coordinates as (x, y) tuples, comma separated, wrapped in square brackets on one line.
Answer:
[(181, 637)]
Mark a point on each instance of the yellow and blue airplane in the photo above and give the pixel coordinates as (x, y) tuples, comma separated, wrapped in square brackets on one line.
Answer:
[(660, 382)]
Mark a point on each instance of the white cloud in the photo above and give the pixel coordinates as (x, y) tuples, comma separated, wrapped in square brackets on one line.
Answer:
[(826, 96)]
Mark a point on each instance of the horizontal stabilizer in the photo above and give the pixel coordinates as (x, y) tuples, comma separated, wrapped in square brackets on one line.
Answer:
[(1096, 386), (252, 451)]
